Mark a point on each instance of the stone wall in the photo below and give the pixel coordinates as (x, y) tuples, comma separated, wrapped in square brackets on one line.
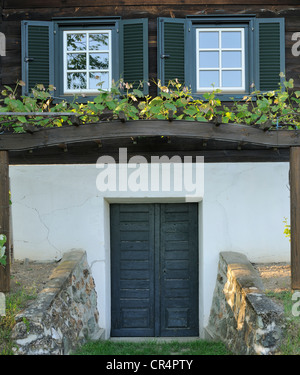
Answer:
[(241, 315), (64, 315)]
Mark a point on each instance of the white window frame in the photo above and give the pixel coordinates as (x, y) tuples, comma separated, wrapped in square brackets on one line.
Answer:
[(240, 89), (87, 51)]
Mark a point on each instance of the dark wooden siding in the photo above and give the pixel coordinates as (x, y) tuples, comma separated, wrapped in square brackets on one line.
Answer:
[(15, 10)]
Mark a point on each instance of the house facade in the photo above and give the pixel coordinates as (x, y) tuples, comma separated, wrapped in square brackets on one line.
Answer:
[(152, 231)]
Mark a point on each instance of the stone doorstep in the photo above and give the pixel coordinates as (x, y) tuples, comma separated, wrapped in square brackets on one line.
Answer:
[(155, 339)]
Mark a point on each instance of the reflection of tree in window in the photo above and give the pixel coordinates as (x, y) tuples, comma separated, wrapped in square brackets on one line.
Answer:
[(76, 42), (99, 61), (98, 41), (76, 61), (87, 60), (76, 81)]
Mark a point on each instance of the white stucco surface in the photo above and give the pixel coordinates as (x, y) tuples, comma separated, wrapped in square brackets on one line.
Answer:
[(241, 208)]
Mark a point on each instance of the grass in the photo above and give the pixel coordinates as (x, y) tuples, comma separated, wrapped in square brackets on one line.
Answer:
[(197, 347), (15, 302), (291, 341)]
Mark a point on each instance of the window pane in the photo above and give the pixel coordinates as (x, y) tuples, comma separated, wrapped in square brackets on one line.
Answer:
[(231, 78), (208, 59), (76, 81), (231, 59), (99, 61), (98, 81), (76, 61), (208, 78), (208, 39), (231, 39), (76, 42), (98, 42)]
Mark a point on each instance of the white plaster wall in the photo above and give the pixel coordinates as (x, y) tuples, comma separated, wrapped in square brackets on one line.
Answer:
[(241, 208), (244, 206)]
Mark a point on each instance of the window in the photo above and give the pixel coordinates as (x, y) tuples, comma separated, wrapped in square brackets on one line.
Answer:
[(87, 61), (220, 55), (78, 56), (236, 54)]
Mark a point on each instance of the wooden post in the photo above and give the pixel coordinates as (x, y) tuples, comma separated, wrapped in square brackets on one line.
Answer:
[(4, 219), (295, 215)]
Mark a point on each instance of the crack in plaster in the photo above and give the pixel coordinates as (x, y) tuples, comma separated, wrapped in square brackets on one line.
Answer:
[(42, 220), (45, 226)]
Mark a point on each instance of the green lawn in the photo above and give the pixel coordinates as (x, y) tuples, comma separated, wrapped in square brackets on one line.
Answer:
[(197, 347), (15, 302), (291, 341)]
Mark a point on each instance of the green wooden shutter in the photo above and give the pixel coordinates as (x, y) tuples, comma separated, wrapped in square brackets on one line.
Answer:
[(37, 54), (170, 54), (270, 59), (134, 52)]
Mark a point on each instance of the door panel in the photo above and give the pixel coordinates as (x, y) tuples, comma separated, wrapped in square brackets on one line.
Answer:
[(179, 262), (132, 259), (154, 257)]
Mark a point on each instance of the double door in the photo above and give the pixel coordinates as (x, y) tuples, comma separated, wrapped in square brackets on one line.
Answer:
[(154, 270)]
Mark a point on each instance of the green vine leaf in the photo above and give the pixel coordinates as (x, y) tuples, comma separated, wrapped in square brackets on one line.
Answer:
[(280, 106)]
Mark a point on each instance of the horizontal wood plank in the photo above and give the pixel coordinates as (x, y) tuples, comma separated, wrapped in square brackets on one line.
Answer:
[(88, 155), (16, 4), (179, 129)]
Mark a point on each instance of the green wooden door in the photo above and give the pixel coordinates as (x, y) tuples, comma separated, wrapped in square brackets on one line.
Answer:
[(154, 270)]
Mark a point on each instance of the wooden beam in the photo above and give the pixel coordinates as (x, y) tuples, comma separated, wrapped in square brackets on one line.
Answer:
[(295, 216), (88, 153), (71, 134), (23, 4), (4, 219)]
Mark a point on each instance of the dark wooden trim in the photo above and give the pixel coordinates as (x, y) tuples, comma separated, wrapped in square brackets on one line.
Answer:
[(4, 219), (295, 216), (241, 134), (88, 154), (19, 4)]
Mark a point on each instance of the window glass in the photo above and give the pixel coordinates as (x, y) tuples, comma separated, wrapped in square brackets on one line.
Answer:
[(209, 78), (209, 59), (231, 78), (87, 60), (209, 39), (231, 39), (220, 59), (231, 59)]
